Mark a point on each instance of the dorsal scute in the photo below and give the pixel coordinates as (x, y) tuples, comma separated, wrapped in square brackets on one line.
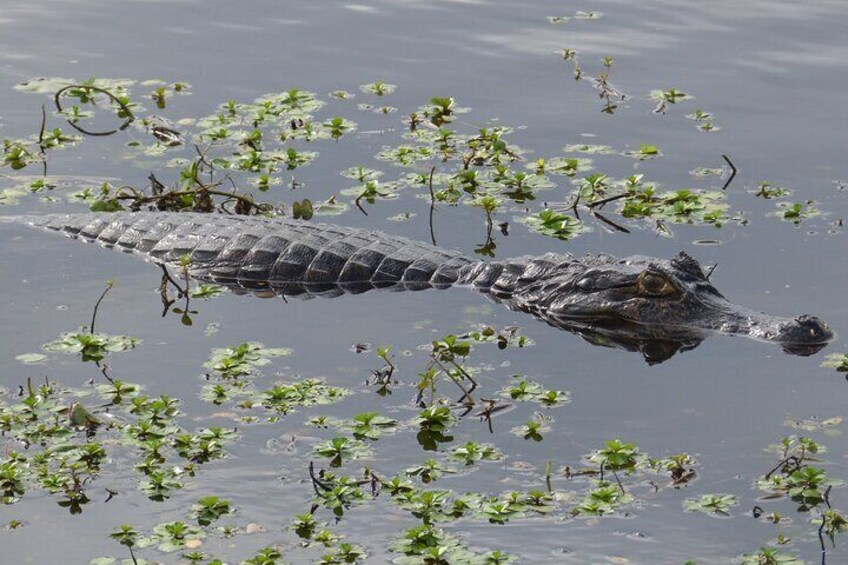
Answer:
[(686, 263)]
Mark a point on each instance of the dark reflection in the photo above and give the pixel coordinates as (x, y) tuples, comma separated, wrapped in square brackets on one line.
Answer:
[(658, 342), (74, 501), (182, 292), (656, 350), (430, 440), (653, 349)]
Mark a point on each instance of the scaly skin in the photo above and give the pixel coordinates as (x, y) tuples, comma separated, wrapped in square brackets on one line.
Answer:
[(655, 306)]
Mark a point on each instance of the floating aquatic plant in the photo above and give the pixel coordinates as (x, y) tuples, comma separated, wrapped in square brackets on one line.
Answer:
[(714, 504)]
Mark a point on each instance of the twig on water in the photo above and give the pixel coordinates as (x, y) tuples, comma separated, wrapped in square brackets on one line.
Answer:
[(130, 117), (358, 205), (316, 482), (41, 141), (466, 400), (166, 276), (821, 527), (432, 204), (733, 171), (597, 215), (104, 369), (43, 126), (109, 284), (603, 201)]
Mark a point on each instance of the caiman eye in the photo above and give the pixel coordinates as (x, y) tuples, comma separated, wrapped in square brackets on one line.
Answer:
[(654, 284)]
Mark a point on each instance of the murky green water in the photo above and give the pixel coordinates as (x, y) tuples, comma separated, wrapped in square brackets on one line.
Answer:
[(772, 73)]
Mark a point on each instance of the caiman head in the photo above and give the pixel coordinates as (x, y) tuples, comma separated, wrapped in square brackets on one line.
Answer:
[(651, 305)]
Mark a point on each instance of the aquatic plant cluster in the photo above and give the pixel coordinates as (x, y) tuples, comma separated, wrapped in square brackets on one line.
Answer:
[(62, 440), (68, 443), (248, 158), (221, 161)]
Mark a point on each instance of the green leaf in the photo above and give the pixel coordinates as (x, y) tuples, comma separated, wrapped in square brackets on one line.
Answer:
[(302, 210)]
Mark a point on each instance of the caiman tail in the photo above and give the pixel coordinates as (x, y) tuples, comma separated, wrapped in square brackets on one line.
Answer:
[(289, 257)]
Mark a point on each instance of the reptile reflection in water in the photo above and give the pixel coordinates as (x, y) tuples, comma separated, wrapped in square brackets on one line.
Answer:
[(655, 306)]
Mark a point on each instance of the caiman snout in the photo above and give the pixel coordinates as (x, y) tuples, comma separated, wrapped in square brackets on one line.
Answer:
[(804, 335), (804, 329)]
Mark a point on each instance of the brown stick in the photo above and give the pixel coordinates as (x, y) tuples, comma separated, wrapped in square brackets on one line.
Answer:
[(733, 171), (432, 204), (97, 305)]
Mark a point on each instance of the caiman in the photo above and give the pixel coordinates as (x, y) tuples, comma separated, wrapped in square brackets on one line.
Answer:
[(654, 306)]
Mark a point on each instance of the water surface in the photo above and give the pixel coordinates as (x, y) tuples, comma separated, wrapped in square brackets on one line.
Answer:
[(773, 73)]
